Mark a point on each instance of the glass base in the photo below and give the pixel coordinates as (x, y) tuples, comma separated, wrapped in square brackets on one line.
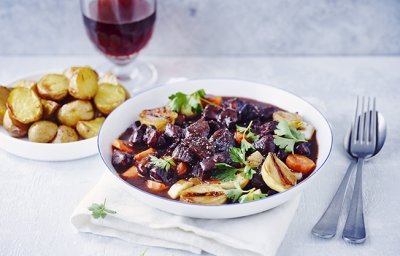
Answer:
[(135, 77)]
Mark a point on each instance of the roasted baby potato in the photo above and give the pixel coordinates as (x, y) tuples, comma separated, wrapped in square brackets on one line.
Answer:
[(109, 97), (65, 134), (83, 83), (4, 92), (53, 87), (70, 71), (109, 78), (26, 84), (74, 111), (13, 127), (89, 129), (42, 131), (25, 105), (49, 108)]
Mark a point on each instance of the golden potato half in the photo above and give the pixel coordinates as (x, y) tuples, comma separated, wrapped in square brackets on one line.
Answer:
[(53, 87), (109, 97), (89, 129), (74, 111), (83, 83), (70, 71), (42, 131), (49, 108), (4, 92), (65, 134), (13, 127), (25, 105), (26, 84)]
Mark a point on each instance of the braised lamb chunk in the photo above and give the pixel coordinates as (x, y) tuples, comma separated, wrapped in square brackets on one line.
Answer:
[(247, 112), (199, 146), (207, 166), (181, 153), (265, 144), (266, 113), (211, 112), (222, 139), (161, 175), (138, 134), (121, 160), (151, 136), (281, 154), (215, 125), (302, 148), (229, 117), (267, 128), (198, 128)]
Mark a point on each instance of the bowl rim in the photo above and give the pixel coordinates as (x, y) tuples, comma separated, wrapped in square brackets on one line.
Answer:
[(199, 206)]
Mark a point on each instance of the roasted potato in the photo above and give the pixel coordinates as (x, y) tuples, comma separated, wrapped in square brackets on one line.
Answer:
[(26, 84), (89, 129), (83, 83), (49, 108), (65, 134), (70, 71), (109, 97), (53, 87), (74, 111), (157, 117), (25, 105), (13, 127), (109, 78), (4, 92), (42, 131)]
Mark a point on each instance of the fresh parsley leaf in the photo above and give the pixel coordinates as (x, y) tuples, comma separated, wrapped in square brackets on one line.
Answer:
[(180, 100), (248, 172), (225, 172), (237, 155), (100, 210), (235, 193), (247, 132), (241, 129), (177, 101), (245, 146), (251, 195), (163, 163), (287, 136)]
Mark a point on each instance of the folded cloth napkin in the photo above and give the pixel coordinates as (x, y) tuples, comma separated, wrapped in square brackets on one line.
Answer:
[(135, 222)]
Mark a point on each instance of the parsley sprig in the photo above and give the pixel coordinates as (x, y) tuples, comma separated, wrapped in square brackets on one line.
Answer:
[(238, 194), (189, 102), (287, 136), (247, 133), (163, 163), (100, 210)]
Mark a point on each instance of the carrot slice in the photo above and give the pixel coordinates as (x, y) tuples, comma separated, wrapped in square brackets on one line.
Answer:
[(181, 168), (217, 100), (155, 186), (143, 154), (300, 163), (131, 173), (120, 144)]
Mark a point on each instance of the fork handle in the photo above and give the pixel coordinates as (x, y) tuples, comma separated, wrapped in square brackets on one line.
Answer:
[(354, 229), (327, 225)]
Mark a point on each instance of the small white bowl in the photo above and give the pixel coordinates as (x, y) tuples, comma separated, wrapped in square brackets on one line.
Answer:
[(46, 151), (128, 112)]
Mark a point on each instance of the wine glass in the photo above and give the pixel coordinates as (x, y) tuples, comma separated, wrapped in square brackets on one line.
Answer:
[(120, 29)]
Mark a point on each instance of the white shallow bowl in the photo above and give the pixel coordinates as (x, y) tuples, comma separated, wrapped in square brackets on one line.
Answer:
[(46, 151), (128, 112)]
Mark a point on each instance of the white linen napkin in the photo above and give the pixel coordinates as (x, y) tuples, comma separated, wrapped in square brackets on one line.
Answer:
[(135, 222)]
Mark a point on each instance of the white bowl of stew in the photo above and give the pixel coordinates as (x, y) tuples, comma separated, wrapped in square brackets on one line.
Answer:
[(262, 97)]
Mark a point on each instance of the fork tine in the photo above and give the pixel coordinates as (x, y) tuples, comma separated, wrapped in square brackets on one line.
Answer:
[(361, 126), (374, 123), (368, 126), (355, 123)]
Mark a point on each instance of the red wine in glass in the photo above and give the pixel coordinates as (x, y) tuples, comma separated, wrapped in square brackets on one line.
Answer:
[(120, 28)]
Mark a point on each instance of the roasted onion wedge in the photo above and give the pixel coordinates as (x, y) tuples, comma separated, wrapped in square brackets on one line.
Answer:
[(204, 194), (73, 112), (175, 190), (293, 119), (25, 105), (276, 174), (13, 127), (83, 83), (53, 87), (108, 97), (157, 117)]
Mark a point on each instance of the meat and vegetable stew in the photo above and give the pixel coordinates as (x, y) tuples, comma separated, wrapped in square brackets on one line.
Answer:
[(211, 150)]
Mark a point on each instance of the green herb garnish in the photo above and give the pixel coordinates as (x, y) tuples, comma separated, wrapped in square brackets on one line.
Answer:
[(238, 194), (163, 163), (287, 136), (225, 172), (247, 132), (100, 210), (188, 103)]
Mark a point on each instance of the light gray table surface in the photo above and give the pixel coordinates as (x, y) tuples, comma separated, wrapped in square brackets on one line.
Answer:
[(37, 198)]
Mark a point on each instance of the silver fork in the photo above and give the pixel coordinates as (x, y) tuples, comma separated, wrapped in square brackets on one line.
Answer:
[(363, 143)]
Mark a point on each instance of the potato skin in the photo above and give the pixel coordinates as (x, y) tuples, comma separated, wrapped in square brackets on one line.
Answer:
[(109, 97), (53, 87), (89, 129), (83, 83), (26, 84), (4, 92), (49, 108), (74, 111), (42, 131), (70, 71), (25, 105), (65, 134), (13, 127)]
